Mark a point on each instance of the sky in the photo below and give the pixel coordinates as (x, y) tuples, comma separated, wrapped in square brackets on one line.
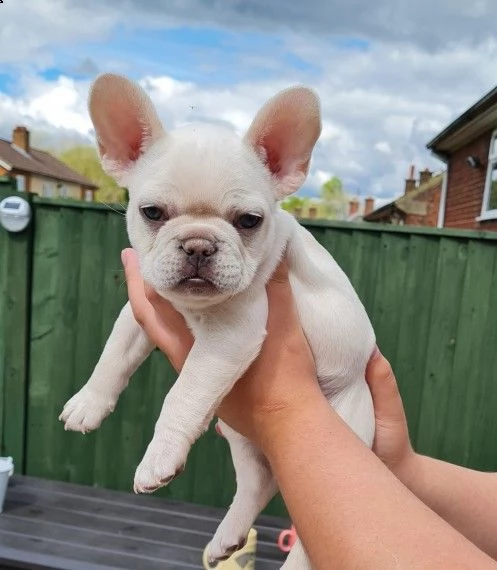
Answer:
[(390, 74)]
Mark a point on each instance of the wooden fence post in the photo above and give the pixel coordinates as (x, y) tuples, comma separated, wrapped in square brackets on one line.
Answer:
[(15, 293)]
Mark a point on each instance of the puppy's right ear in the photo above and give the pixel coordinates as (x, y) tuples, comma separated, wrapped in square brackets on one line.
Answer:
[(125, 122)]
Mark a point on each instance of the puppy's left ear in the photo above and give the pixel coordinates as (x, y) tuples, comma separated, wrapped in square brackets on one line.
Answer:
[(284, 133)]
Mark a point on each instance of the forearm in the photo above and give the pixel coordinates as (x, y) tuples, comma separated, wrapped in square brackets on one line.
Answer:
[(465, 498), (349, 510)]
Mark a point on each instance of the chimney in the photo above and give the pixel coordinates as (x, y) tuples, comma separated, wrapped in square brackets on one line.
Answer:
[(20, 137), (411, 181), (424, 176), (368, 205), (353, 206)]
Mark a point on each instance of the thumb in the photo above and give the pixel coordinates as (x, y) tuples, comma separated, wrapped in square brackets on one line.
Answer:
[(282, 312), (384, 390)]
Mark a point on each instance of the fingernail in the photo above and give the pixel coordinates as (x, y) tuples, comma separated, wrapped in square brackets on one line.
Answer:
[(124, 257)]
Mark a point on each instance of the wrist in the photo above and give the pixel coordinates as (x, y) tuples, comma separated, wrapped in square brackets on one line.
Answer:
[(409, 469), (276, 423)]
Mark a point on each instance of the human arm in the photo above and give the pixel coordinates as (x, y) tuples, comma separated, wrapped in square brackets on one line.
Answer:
[(465, 498), (348, 508)]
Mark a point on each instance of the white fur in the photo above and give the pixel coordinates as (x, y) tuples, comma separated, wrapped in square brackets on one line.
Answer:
[(206, 177)]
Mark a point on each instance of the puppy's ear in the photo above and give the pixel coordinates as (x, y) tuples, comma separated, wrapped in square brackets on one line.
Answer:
[(284, 133), (125, 122)]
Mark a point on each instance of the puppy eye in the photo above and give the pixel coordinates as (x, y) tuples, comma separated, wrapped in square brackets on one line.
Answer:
[(154, 213), (248, 221)]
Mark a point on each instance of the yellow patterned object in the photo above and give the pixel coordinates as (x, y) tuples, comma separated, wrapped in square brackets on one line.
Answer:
[(243, 559)]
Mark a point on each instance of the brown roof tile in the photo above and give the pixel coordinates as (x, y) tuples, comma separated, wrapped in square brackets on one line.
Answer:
[(41, 163)]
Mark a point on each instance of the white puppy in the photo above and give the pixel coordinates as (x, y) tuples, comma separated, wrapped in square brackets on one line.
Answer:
[(204, 219)]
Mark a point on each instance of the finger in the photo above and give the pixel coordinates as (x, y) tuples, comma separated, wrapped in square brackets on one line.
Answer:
[(280, 274), (136, 290), (383, 385), (279, 290), (282, 311), (161, 305), (169, 317)]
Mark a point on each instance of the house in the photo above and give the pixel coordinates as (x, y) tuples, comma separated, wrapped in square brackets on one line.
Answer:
[(418, 205), (468, 146), (358, 210), (39, 172)]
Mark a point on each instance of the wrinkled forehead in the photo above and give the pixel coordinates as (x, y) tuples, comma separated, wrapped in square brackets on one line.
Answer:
[(203, 168)]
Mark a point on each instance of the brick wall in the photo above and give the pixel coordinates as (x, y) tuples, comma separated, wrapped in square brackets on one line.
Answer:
[(465, 186), (432, 199)]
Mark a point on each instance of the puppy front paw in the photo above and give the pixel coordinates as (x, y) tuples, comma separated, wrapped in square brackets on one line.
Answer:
[(86, 410), (163, 461)]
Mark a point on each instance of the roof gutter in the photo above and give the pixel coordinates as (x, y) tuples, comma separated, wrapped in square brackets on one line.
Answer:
[(5, 165)]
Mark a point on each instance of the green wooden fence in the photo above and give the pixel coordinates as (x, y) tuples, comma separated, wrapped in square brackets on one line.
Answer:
[(430, 294)]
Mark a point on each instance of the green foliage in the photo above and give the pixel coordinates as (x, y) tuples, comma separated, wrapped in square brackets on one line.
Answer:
[(85, 160), (334, 199), (293, 203)]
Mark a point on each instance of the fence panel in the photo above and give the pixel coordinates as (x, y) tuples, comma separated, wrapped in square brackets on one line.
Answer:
[(429, 294)]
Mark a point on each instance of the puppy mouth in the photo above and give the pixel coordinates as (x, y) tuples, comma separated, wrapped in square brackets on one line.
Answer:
[(196, 285)]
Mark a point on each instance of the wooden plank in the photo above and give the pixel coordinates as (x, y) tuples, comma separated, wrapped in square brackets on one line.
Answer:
[(45, 353), (468, 373), (64, 342), (113, 297), (88, 322), (442, 336), (41, 487), (482, 454), (4, 241), (414, 310), (365, 269), (14, 325), (391, 261), (337, 242), (66, 525)]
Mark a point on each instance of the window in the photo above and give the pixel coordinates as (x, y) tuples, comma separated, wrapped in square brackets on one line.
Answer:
[(489, 210), (88, 196), (21, 182), (47, 190), (63, 190), (492, 202)]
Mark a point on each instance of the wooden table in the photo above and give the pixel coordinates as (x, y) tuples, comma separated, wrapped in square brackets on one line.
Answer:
[(52, 525)]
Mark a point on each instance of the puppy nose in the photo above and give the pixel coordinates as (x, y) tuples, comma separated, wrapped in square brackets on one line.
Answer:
[(199, 247)]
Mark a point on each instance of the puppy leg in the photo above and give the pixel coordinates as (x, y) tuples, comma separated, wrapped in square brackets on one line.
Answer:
[(297, 558), (355, 406), (256, 486), (216, 361), (126, 348)]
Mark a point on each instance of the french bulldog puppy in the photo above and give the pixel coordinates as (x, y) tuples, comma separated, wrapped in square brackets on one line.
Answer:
[(204, 219)]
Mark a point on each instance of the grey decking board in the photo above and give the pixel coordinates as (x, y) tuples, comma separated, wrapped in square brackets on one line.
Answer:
[(86, 528)]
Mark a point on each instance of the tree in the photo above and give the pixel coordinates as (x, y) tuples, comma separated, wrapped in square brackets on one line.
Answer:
[(334, 198), (85, 160), (293, 203)]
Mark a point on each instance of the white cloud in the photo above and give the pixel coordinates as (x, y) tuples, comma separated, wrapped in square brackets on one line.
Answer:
[(383, 146), (380, 105), (31, 28)]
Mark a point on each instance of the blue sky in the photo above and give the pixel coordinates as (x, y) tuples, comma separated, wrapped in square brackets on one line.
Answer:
[(385, 89)]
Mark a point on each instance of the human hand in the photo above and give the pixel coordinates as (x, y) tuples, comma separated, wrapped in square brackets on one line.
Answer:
[(276, 381), (391, 443)]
